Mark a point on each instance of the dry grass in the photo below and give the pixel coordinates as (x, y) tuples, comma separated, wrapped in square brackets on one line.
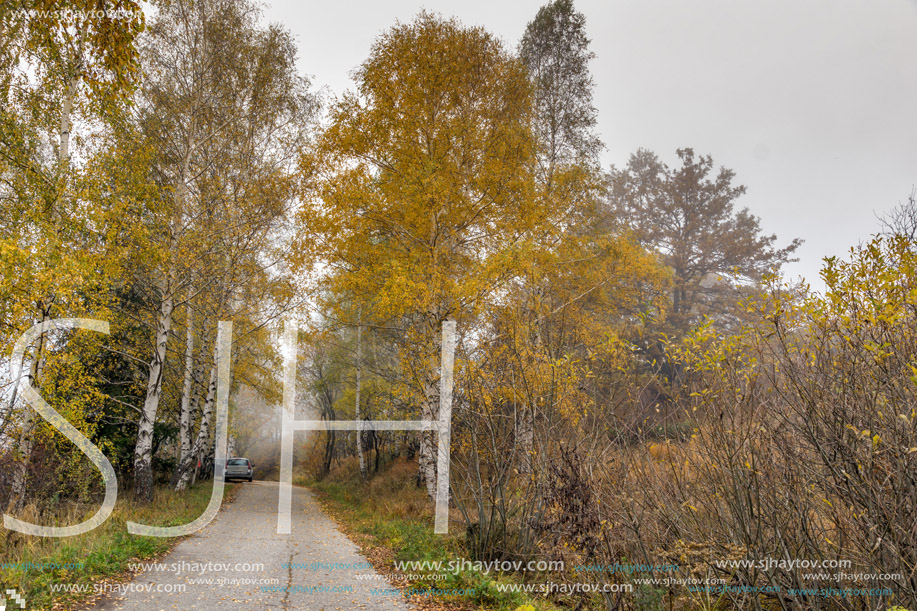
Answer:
[(104, 552)]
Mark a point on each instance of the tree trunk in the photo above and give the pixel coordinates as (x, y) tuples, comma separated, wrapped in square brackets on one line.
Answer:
[(188, 469), (14, 395), (21, 469), (525, 438), (377, 449), (185, 417), (357, 400), (143, 457), (63, 153), (329, 452), (426, 460), (193, 412), (330, 436), (143, 452)]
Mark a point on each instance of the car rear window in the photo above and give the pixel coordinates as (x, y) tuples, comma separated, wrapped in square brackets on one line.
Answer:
[(238, 461)]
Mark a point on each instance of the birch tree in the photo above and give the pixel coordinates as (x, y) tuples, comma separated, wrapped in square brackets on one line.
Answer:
[(420, 192), (225, 110), (73, 62)]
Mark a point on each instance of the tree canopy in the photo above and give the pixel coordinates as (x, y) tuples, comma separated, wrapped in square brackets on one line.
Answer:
[(688, 214)]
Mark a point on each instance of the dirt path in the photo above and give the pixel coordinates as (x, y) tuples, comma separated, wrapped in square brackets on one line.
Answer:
[(239, 562)]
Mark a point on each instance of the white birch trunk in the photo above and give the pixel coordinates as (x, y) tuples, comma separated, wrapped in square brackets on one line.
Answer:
[(21, 471), (143, 452), (188, 470), (426, 460), (185, 416), (357, 400), (66, 123)]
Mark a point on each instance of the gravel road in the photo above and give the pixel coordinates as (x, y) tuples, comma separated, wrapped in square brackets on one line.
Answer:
[(242, 535)]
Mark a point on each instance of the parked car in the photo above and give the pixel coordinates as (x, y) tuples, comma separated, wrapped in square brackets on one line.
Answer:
[(239, 468)]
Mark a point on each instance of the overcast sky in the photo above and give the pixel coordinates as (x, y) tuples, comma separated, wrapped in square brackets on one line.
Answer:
[(811, 102)]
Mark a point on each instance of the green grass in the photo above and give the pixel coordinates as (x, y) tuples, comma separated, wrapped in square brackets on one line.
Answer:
[(390, 512), (104, 552)]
